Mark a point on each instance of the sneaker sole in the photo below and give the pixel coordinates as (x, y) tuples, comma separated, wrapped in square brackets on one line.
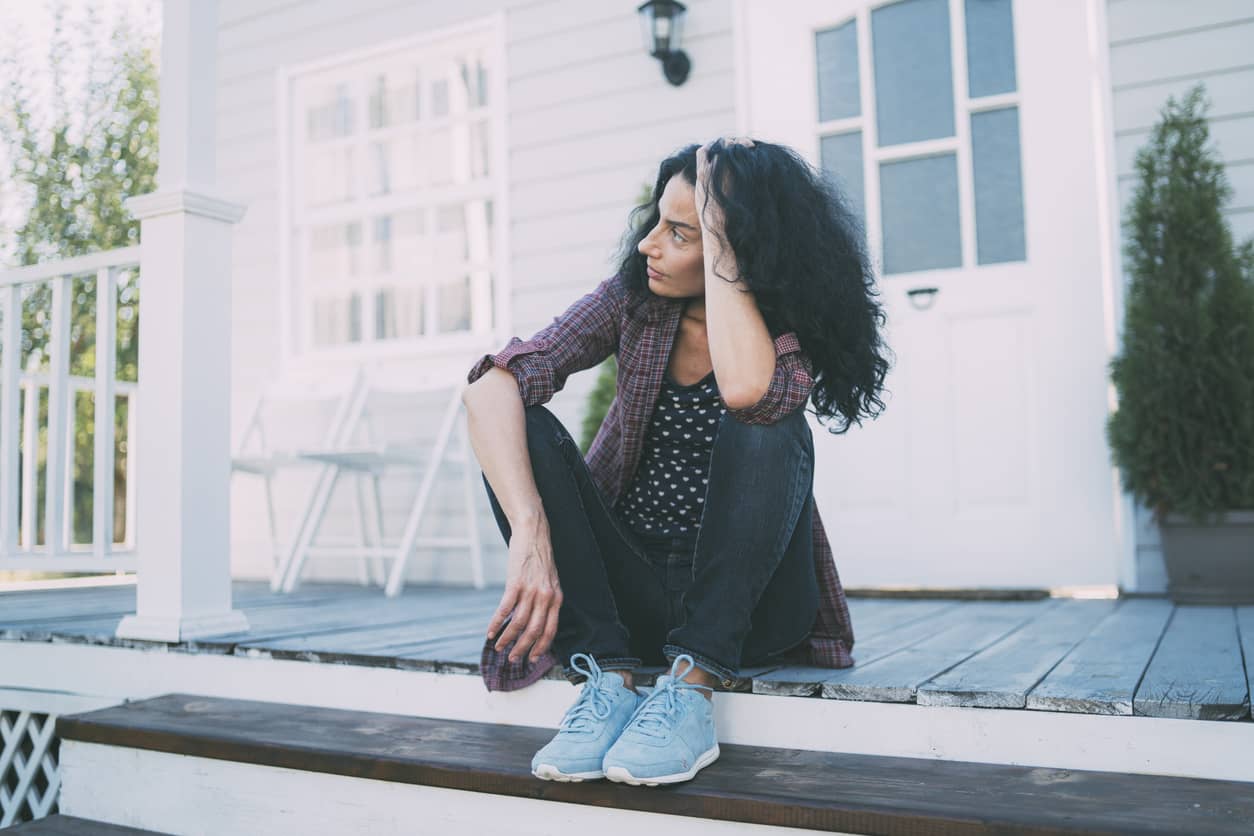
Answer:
[(549, 772), (621, 775)]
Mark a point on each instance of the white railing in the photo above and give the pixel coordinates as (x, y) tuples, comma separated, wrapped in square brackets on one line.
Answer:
[(19, 546)]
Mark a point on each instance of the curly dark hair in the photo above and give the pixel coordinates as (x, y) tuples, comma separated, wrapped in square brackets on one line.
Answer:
[(801, 249)]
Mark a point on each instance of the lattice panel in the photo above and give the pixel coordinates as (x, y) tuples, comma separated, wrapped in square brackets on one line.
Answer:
[(30, 777)]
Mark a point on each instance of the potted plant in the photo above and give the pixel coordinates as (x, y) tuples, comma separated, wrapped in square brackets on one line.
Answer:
[(1183, 434)]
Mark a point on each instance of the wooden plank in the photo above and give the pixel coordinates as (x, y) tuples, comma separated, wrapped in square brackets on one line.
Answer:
[(1101, 674), (374, 647), (827, 791), (1196, 673), (1001, 675), (53, 604), (896, 677), (320, 617), (62, 825), (903, 626)]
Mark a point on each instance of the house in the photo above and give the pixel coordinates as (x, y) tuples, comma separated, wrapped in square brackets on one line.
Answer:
[(500, 145), (543, 121)]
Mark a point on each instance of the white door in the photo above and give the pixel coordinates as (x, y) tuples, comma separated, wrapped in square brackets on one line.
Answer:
[(963, 130)]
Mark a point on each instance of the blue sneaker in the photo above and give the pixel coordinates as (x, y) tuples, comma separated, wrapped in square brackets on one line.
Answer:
[(671, 736), (590, 726)]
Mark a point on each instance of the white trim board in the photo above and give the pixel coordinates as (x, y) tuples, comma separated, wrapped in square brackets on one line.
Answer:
[(179, 793), (1138, 745)]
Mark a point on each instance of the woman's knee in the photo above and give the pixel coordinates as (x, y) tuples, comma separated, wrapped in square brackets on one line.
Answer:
[(543, 427), (766, 438)]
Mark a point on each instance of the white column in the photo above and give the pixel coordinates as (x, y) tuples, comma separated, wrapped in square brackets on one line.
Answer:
[(182, 441)]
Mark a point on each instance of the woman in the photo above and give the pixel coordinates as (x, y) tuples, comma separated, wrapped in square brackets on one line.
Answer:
[(689, 534)]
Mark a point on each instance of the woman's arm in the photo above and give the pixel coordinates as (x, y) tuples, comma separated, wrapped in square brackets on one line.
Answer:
[(526, 373), (498, 434), (741, 348), (533, 593)]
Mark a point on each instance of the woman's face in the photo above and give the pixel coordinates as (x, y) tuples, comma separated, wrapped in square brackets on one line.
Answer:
[(673, 247)]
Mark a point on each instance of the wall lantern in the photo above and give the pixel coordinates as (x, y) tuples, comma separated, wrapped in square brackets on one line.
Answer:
[(662, 24)]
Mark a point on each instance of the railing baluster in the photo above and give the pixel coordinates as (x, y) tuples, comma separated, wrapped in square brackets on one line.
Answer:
[(9, 400), (30, 462), (106, 362), (58, 372), (132, 484)]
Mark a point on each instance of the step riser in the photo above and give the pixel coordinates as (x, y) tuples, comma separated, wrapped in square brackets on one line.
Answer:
[(183, 794), (1137, 745)]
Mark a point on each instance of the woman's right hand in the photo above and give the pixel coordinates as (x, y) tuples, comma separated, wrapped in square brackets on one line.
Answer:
[(532, 592)]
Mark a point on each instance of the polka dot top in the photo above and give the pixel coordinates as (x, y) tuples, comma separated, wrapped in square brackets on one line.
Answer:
[(666, 493)]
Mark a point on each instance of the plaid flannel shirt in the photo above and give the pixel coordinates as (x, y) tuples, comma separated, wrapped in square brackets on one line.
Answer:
[(602, 323)]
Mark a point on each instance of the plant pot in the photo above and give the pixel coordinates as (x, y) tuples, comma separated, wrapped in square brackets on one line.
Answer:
[(1210, 564)]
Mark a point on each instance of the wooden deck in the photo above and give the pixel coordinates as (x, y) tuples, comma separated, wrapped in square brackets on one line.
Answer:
[(1138, 656)]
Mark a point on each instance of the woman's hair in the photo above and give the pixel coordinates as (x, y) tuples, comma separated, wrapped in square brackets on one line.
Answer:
[(801, 249)]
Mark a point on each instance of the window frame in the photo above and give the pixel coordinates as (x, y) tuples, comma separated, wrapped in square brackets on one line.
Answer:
[(490, 313), (959, 144)]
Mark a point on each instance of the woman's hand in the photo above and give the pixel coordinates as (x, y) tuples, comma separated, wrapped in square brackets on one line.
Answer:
[(703, 170), (532, 592)]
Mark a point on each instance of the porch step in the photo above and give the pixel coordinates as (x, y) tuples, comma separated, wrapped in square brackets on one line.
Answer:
[(182, 762), (63, 825)]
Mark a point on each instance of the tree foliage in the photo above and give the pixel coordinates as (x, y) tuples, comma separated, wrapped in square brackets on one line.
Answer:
[(1183, 435), (74, 164)]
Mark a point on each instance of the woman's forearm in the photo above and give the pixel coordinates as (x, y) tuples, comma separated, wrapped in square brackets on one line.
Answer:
[(498, 434)]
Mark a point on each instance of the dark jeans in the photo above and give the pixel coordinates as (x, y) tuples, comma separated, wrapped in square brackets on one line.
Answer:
[(736, 594)]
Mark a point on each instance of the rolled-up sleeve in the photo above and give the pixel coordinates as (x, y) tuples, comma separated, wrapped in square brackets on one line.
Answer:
[(790, 387), (584, 335)]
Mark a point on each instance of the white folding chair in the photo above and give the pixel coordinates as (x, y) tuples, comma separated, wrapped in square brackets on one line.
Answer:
[(385, 431), (289, 416)]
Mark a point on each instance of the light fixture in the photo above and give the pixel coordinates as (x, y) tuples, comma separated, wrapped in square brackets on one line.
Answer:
[(662, 25)]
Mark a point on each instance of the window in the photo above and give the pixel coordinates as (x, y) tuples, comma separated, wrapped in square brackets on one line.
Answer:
[(924, 131), (389, 190)]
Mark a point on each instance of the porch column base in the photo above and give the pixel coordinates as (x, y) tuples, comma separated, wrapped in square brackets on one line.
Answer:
[(176, 629)]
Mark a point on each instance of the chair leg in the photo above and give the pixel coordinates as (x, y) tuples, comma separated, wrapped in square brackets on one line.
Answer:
[(359, 523), (274, 525), (309, 527), (472, 516), (410, 534), (378, 567)]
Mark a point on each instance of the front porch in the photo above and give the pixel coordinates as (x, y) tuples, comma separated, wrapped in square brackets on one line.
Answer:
[(1134, 685), (1075, 690)]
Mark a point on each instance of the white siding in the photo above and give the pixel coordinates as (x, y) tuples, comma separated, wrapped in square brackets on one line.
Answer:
[(1161, 48), (590, 116)]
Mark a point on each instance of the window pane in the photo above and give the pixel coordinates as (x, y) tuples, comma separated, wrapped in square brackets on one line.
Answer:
[(454, 305), (334, 252), (990, 47), (920, 214), (400, 244), (329, 175), (395, 97), (354, 318), (396, 165), (399, 312), (439, 97), (913, 77), (330, 114), (472, 81), (439, 157), (836, 51), (998, 186), (841, 157), (337, 320), (450, 234)]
